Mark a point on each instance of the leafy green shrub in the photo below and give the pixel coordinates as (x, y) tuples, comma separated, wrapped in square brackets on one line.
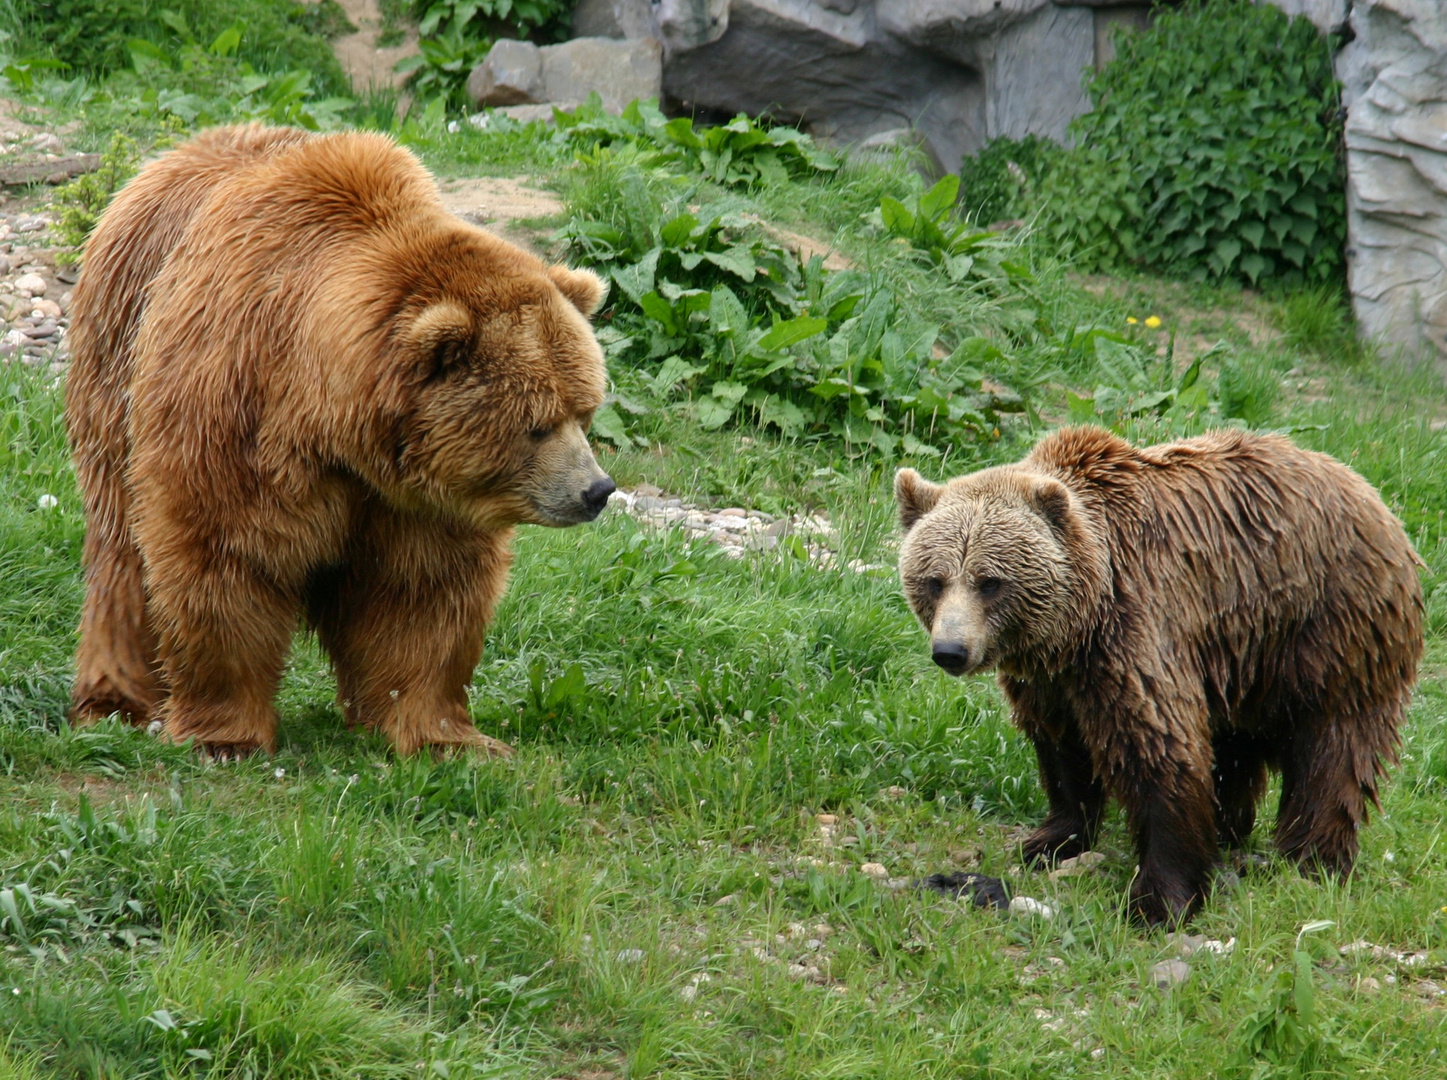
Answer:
[(741, 153), (715, 307), (93, 36), (928, 223), (78, 204), (1213, 152), (1003, 180), (457, 34)]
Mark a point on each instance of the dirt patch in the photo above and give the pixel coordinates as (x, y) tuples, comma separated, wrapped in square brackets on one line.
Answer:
[(486, 200), (500, 203), (366, 63)]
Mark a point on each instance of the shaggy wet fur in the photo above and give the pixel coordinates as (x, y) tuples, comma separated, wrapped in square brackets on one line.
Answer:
[(1171, 622), (299, 385)]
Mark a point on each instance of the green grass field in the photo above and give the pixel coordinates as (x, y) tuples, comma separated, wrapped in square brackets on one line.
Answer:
[(646, 888)]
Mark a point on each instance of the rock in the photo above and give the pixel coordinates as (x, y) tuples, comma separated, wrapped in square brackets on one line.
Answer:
[(4, 264), (874, 870), (512, 74), (1394, 83), (838, 70), (1328, 15), (689, 24), (1395, 89), (518, 73), (1170, 973), (614, 19), (1189, 944), (31, 284), (1079, 864), (617, 71), (1028, 905), (47, 308)]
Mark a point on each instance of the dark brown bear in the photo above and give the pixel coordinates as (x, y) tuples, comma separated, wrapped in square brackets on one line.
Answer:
[(1168, 624), (301, 386)]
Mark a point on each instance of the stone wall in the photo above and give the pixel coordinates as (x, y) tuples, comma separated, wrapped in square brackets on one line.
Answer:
[(1394, 79)]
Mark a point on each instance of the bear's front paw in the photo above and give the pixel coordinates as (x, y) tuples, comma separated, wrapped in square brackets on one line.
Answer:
[(225, 753), (1054, 841)]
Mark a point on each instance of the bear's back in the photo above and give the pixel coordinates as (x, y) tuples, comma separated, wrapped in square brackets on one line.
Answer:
[(1237, 546)]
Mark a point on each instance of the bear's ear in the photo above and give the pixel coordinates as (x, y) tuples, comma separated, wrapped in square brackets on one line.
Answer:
[(915, 495), (1051, 500), (442, 334), (583, 288)]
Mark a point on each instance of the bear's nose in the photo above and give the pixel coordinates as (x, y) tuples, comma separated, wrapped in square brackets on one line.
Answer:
[(953, 656), (596, 495)]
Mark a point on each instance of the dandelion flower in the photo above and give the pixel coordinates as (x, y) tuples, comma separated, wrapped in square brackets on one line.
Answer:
[(1131, 319), (1153, 322)]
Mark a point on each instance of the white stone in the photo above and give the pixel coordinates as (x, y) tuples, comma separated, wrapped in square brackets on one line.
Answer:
[(1028, 905), (30, 284)]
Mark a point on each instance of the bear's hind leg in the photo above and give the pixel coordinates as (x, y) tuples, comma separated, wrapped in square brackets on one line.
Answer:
[(115, 663), (1239, 766), (1076, 799), (1328, 775)]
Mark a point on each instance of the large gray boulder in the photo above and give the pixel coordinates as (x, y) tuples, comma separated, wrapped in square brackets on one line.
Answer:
[(512, 74), (958, 71), (521, 73), (614, 19), (1394, 77)]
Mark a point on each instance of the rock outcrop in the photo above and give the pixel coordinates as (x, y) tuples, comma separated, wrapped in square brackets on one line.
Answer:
[(958, 71), (1394, 77)]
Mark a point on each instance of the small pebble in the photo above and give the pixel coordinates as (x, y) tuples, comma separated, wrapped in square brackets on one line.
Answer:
[(1028, 905), (874, 870), (1170, 973), (47, 502), (31, 284)]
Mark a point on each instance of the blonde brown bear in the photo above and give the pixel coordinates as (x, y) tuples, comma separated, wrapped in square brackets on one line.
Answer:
[(1169, 623), (301, 386)]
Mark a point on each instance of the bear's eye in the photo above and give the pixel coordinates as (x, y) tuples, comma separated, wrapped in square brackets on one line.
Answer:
[(538, 434), (935, 587), (988, 586)]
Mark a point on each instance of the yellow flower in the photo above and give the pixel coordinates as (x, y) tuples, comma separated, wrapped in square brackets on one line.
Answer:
[(1153, 322), (1131, 319)]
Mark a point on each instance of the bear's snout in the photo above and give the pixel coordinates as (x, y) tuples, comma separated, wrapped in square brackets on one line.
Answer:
[(595, 496), (953, 656)]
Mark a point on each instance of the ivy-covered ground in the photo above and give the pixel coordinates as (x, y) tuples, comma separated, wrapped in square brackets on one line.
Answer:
[(728, 770)]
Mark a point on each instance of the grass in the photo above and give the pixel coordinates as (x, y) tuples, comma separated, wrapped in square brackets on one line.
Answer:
[(646, 888)]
